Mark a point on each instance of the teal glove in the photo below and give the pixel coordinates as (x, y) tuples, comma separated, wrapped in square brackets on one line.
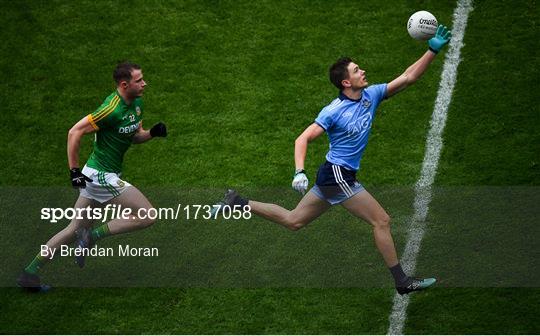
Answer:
[(441, 38)]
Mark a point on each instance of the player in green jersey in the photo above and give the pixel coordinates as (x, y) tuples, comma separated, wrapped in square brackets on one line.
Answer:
[(117, 123)]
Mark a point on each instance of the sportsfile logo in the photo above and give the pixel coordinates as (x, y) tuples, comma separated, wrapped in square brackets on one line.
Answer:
[(114, 211)]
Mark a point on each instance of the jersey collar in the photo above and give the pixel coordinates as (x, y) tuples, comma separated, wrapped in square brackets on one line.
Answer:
[(122, 99), (344, 97)]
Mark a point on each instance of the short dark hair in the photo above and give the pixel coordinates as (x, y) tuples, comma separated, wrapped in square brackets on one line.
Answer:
[(123, 70), (339, 71)]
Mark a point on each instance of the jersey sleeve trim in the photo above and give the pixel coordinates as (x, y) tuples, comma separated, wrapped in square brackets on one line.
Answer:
[(318, 123), (385, 91), (91, 120), (105, 111)]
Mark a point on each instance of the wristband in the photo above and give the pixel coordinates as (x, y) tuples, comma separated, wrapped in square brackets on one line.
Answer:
[(299, 171)]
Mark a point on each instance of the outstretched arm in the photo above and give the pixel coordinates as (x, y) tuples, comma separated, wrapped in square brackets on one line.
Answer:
[(411, 75), (415, 71)]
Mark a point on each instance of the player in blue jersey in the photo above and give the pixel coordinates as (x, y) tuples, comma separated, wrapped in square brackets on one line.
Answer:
[(347, 121)]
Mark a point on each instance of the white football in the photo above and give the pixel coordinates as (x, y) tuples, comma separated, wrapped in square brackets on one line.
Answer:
[(422, 25)]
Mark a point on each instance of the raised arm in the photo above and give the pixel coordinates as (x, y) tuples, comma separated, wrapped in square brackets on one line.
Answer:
[(417, 69), (411, 75)]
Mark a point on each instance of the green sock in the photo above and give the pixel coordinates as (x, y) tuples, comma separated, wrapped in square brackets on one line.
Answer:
[(36, 264), (100, 232)]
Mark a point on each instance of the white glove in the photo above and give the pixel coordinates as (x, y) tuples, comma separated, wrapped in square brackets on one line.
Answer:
[(300, 182)]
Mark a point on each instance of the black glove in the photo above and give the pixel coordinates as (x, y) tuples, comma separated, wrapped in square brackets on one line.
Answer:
[(78, 179), (158, 130)]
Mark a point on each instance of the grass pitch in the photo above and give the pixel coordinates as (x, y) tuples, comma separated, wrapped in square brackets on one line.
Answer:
[(236, 82)]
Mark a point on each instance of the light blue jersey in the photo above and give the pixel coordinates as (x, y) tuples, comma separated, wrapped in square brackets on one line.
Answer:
[(348, 124)]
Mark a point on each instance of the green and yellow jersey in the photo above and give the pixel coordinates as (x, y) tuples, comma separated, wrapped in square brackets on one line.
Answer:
[(115, 123)]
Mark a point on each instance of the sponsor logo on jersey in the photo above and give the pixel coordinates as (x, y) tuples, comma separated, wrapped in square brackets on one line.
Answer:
[(120, 183), (128, 129), (359, 127)]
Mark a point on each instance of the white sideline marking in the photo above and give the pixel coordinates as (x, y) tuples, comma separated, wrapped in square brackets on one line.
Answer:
[(431, 160)]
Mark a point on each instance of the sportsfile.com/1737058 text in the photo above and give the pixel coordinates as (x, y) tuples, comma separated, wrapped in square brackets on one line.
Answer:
[(117, 211)]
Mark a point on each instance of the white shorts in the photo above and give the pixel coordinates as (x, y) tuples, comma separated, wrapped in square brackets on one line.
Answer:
[(104, 186)]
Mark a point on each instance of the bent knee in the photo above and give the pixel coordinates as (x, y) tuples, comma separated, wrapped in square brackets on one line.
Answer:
[(295, 224), (144, 223), (382, 221), (146, 220)]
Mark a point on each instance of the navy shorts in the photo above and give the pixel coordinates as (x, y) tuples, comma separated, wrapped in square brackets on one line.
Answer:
[(336, 184)]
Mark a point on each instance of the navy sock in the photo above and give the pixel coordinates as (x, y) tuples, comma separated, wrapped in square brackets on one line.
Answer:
[(400, 277)]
